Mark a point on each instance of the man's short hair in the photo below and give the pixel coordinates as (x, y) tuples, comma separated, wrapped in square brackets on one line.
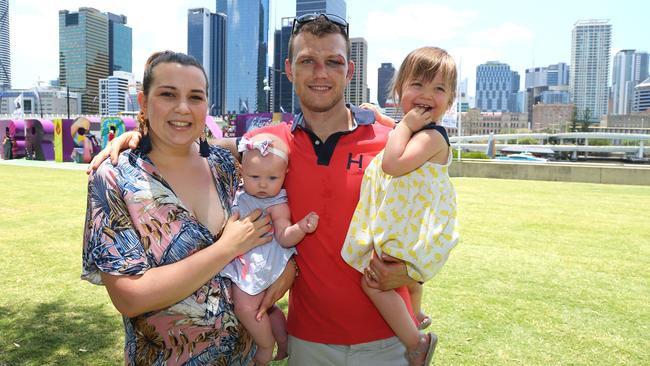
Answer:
[(320, 27)]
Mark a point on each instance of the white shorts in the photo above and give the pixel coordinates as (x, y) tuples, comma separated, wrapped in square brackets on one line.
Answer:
[(384, 352)]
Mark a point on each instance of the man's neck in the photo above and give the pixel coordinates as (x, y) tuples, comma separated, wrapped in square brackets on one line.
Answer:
[(324, 124)]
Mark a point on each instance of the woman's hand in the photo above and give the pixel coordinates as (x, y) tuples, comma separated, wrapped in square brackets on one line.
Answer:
[(127, 140), (243, 234)]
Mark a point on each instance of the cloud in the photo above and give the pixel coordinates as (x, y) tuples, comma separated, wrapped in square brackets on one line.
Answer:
[(428, 23), (501, 34), (392, 34), (468, 58), (34, 32)]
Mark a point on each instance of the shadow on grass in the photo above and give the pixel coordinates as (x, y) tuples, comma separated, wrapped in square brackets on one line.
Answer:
[(59, 333)]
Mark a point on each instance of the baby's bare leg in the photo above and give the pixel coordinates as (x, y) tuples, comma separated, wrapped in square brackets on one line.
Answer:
[(279, 328), (246, 307)]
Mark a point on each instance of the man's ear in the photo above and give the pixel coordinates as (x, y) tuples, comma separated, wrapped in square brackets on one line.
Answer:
[(287, 69), (348, 76)]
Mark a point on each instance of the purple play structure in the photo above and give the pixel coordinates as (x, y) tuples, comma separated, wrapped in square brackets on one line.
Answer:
[(39, 139), (17, 134)]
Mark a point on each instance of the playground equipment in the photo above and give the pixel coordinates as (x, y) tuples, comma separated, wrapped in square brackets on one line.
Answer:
[(85, 142), (17, 133), (63, 143), (214, 128), (39, 139), (251, 121), (112, 127)]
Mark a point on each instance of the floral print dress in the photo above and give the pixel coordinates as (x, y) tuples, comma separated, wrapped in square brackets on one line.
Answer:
[(134, 222)]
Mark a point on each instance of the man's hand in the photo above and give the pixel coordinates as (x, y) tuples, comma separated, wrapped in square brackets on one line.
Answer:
[(127, 140), (277, 289), (386, 273)]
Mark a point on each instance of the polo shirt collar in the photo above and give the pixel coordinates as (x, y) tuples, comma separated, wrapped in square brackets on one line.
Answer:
[(360, 117)]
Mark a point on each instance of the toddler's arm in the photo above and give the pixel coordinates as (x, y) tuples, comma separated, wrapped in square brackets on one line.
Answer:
[(285, 233), (406, 150)]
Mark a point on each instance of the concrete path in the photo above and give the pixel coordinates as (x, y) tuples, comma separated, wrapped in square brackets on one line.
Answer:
[(43, 164)]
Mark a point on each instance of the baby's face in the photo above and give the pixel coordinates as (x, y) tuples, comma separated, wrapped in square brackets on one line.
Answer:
[(263, 175)]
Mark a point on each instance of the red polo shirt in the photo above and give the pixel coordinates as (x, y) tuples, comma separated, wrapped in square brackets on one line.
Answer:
[(326, 303)]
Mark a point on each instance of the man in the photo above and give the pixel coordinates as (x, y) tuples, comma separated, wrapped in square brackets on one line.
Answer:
[(331, 321)]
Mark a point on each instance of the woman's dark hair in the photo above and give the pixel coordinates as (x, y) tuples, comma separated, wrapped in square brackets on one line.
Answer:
[(168, 57)]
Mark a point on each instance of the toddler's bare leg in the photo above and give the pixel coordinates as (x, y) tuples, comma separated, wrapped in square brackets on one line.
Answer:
[(394, 311)]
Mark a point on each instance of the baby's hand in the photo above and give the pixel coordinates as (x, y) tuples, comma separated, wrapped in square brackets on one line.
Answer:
[(417, 118), (309, 223), (384, 120)]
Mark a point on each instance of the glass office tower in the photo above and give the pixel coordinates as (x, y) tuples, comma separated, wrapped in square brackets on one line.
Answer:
[(5, 50), (83, 54), (247, 28)]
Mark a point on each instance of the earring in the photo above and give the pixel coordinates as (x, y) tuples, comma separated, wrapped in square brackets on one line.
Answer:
[(145, 141), (204, 147)]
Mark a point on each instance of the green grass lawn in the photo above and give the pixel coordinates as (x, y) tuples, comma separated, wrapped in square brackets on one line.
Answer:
[(546, 273)]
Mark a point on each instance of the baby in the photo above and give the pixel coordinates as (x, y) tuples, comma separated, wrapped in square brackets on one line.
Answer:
[(264, 166)]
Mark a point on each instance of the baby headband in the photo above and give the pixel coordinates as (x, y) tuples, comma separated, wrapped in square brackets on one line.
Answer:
[(264, 146)]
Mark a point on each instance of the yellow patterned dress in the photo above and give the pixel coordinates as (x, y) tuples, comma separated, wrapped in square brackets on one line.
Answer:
[(411, 217)]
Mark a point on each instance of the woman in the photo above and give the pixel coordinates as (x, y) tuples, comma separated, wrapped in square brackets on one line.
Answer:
[(159, 229)]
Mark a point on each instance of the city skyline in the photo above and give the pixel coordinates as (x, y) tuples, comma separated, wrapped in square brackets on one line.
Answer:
[(512, 32)]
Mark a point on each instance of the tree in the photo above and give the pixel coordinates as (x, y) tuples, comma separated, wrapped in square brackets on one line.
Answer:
[(585, 121), (574, 120)]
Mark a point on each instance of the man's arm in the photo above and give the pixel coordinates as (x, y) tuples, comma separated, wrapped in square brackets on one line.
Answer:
[(387, 273), (127, 140)]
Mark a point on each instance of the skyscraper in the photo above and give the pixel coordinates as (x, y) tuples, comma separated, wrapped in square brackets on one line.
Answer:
[(630, 69), (336, 7), (198, 35), (5, 50), (385, 75), (494, 87), (283, 99), (547, 85), (515, 82), (357, 90), (114, 93), (591, 42), (557, 74), (83, 54), (206, 41), (247, 28), (120, 44), (642, 96)]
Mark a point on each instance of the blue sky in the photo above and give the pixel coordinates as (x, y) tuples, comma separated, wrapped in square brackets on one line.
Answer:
[(522, 33)]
